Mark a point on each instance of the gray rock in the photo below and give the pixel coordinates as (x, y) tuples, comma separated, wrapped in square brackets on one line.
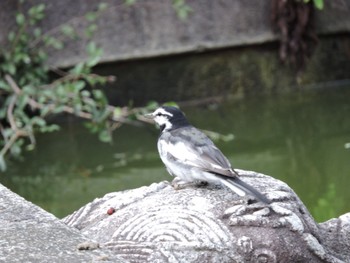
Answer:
[(30, 234), (212, 224), (160, 224)]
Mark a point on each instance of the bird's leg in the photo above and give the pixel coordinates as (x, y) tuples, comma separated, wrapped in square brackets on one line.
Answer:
[(201, 183), (178, 183)]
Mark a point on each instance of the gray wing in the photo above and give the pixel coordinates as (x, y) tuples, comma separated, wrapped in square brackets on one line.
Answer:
[(205, 155)]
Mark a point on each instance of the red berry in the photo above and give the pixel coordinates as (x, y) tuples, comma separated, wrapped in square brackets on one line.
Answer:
[(110, 211)]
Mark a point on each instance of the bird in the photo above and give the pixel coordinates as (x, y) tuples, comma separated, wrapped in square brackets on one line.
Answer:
[(190, 155)]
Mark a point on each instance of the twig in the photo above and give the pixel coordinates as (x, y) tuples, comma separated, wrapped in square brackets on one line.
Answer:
[(10, 117), (14, 137), (18, 132), (12, 84)]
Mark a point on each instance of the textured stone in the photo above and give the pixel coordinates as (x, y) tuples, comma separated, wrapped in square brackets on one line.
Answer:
[(30, 234), (210, 224), (151, 27), (160, 224)]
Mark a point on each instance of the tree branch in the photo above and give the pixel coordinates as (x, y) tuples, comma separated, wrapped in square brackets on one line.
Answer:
[(35, 105), (10, 117)]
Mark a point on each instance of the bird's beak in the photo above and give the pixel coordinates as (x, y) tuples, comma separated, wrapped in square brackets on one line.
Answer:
[(149, 116)]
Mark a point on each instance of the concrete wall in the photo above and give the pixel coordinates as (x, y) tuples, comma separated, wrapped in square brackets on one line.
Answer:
[(151, 27)]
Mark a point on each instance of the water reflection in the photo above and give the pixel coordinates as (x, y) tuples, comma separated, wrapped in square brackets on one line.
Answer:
[(298, 138)]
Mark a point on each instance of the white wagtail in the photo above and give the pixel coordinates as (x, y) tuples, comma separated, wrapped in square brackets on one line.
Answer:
[(190, 155)]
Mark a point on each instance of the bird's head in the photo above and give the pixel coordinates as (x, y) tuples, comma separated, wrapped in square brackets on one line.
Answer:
[(168, 118)]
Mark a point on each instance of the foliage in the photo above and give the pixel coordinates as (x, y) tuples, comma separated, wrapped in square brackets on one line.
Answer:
[(294, 20), (319, 4), (28, 97), (181, 8)]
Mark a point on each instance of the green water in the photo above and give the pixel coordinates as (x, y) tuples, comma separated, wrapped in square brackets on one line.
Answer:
[(298, 138)]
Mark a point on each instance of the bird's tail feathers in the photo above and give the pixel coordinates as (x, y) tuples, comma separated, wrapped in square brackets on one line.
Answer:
[(241, 188), (236, 188)]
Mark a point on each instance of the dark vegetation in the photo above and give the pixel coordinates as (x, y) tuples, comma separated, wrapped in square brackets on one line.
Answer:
[(294, 21)]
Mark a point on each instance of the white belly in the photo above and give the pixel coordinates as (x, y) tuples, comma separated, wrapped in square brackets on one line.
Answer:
[(180, 169)]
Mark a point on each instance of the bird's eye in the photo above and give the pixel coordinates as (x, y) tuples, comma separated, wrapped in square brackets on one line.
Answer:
[(158, 114)]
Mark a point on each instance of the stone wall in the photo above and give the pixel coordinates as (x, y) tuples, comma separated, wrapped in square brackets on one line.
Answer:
[(151, 27)]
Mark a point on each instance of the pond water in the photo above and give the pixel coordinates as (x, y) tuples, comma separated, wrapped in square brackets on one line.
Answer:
[(301, 138)]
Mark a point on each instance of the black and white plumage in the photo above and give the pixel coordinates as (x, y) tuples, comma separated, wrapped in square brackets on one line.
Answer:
[(190, 155)]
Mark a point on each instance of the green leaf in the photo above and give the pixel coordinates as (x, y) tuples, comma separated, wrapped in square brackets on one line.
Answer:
[(16, 148), (30, 147), (130, 2), (93, 61), (37, 11), (57, 44), (10, 68), (20, 19), (45, 110), (53, 42), (319, 4), (7, 133), (78, 68), (42, 55), (91, 48), (50, 128), (152, 105), (102, 6), (91, 126), (117, 113), (104, 136), (11, 36), (4, 85), (38, 121), (94, 53), (171, 103), (78, 85), (22, 101), (98, 94), (68, 31), (90, 30), (85, 93), (182, 9), (40, 8), (2, 163), (91, 16), (2, 113)]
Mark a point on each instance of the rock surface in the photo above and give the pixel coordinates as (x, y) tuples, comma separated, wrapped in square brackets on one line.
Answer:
[(160, 224), (30, 234), (211, 224)]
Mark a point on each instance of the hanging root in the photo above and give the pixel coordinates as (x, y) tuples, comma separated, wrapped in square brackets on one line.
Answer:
[(294, 21)]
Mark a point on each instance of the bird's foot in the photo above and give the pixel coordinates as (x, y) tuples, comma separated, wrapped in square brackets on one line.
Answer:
[(178, 183)]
